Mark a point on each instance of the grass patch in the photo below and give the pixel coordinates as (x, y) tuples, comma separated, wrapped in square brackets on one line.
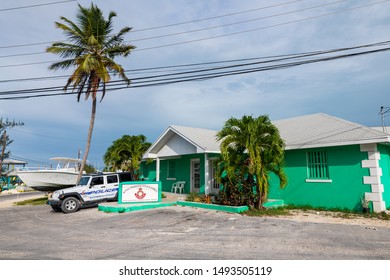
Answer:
[(277, 211), (35, 201)]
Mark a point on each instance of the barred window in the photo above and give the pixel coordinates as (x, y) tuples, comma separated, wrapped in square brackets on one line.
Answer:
[(317, 165)]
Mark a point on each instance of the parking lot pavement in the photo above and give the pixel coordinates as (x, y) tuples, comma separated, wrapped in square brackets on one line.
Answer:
[(175, 232)]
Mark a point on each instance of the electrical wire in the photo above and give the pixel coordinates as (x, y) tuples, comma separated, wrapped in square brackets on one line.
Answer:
[(212, 27), (196, 66), (36, 5), (258, 28), (190, 76)]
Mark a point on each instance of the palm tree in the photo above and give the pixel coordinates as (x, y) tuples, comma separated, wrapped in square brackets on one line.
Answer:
[(259, 140), (90, 51), (126, 152)]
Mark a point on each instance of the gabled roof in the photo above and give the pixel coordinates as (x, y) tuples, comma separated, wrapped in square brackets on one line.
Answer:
[(196, 140), (309, 131), (322, 130)]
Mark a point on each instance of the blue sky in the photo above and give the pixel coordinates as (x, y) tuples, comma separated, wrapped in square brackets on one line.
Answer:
[(352, 88)]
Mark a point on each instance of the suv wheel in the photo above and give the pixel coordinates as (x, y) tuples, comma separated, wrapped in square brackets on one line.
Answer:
[(70, 205)]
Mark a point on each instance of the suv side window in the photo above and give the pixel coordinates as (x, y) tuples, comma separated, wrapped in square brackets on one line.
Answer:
[(111, 179), (125, 177), (97, 181)]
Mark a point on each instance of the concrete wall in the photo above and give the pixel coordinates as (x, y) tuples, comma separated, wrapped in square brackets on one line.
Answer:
[(343, 190)]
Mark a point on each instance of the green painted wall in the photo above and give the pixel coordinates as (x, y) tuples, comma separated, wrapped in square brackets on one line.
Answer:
[(148, 170), (384, 163), (183, 172), (344, 170)]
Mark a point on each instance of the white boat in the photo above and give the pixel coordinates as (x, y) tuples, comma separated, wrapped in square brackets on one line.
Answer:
[(48, 180)]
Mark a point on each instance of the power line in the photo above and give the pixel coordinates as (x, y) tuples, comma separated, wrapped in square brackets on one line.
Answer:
[(168, 25), (215, 17), (36, 5), (207, 28), (259, 28), (239, 22), (194, 66), (204, 74)]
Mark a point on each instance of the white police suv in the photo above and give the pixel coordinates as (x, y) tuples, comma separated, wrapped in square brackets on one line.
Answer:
[(91, 190)]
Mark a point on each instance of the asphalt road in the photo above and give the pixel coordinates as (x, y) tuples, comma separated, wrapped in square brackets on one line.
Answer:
[(38, 233), (6, 196)]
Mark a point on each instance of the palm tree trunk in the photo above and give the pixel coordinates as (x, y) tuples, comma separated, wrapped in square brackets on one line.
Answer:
[(87, 147), (3, 151)]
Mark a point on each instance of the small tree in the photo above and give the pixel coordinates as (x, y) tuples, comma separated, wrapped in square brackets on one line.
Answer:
[(4, 138), (125, 153), (256, 145)]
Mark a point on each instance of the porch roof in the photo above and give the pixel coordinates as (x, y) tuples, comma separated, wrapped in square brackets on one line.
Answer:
[(197, 140)]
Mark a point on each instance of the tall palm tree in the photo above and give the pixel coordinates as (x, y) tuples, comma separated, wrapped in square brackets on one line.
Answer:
[(263, 147), (91, 50)]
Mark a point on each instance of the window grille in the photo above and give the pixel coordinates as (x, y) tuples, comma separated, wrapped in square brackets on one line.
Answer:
[(317, 165)]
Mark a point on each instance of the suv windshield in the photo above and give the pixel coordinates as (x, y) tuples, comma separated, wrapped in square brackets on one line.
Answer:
[(84, 180)]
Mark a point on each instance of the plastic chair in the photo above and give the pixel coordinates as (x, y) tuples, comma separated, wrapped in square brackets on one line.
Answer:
[(180, 186), (175, 186)]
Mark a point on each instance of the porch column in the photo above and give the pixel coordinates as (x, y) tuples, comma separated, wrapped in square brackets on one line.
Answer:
[(206, 175), (157, 169)]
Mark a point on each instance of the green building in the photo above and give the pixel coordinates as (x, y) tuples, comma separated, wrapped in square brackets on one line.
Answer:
[(329, 162)]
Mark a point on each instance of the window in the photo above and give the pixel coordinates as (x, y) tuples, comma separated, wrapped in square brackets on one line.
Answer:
[(171, 169), (97, 181), (111, 179), (317, 167), (215, 186)]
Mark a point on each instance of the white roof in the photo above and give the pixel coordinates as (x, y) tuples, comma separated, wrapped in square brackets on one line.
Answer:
[(14, 162), (309, 131), (380, 128), (322, 130), (196, 140)]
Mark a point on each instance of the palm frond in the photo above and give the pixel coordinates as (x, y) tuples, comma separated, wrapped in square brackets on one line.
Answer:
[(93, 48), (65, 64)]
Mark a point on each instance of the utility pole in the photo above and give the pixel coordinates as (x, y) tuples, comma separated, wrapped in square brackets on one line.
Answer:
[(382, 112)]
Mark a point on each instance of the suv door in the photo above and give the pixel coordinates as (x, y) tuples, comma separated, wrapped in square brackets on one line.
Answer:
[(103, 187)]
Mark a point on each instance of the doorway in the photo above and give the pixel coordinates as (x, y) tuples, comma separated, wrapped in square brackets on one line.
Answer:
[(195, 175)]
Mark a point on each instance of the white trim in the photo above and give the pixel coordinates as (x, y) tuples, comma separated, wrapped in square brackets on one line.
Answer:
[(374, 179), (207, 187), (157, 169), (318, 181)]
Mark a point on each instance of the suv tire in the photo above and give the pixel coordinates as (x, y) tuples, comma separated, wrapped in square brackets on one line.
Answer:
[(70, 205), (56, 208)]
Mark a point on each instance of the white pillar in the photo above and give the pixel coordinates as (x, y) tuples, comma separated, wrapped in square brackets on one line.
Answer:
[(207, 189), (157, 169)]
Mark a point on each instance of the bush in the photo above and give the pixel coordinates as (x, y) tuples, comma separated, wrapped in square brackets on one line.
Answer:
[(201, 198)]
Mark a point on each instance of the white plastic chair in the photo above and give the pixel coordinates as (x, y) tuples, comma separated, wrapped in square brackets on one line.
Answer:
[(180, 186), (174, 187)]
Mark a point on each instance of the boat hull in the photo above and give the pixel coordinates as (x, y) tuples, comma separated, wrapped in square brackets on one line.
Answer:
[(48, 180)]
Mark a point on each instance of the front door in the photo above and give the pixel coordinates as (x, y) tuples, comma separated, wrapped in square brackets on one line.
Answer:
[(214, 185), (195, 175)]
